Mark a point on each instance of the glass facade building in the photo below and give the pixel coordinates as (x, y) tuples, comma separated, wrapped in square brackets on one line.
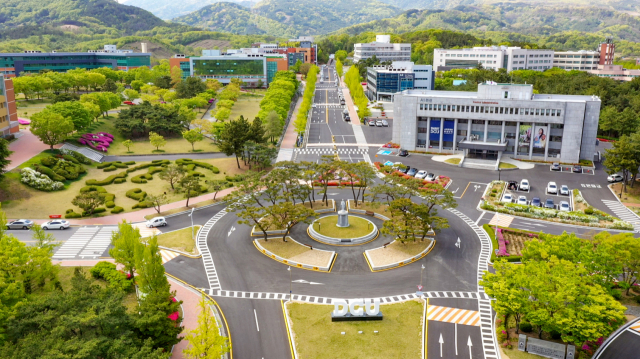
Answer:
[(16, 64), (224, 68)]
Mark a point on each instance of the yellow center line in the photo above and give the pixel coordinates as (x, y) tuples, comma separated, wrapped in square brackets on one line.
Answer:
[(465, 190)]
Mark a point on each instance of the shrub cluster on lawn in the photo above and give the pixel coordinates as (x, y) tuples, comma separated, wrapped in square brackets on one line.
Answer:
[(190, 165), (114, 165), (39, 181), (60, 169), (78, 156), (116, 178), (116, 278)]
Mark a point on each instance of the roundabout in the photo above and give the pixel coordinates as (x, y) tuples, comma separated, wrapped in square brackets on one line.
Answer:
[(342, 229)]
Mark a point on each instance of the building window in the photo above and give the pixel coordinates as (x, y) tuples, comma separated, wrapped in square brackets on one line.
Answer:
[(495, 123), (537, 112), (477, 122), (555, 138), (422, 119), (559, 112), (462, 132), (430, 107), (422, 130), (557, 125), (547, 111), (511, 123), (463, 120)]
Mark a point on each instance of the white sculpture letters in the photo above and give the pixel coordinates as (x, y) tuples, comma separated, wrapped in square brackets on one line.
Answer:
[(356, 307)]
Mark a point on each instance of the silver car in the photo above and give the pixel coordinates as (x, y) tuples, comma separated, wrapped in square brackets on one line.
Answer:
[(430, 177), (564, 190), (20, 224), (385, 123), (56, 224), (421, 174)]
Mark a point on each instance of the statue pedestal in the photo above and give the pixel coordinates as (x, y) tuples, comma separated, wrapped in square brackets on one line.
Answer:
[(343, 218)]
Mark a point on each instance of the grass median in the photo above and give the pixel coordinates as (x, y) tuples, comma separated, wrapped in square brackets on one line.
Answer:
[(180, 240), (358, 227)]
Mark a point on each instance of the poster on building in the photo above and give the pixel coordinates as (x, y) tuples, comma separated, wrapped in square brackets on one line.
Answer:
[(524, 135), (540, 137), (447, 136), (434, 133)]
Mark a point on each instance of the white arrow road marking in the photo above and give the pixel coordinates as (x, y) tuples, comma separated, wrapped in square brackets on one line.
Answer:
[(456, 337), (300, 281), (314, 283), (441, 342), (454, 192), (469, 345), (475, 187), (458, 242), (256, 315), (233, 228)]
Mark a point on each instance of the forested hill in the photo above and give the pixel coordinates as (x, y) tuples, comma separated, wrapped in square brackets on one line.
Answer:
[(169, 9), (521, 18), (618, 5), (236, 19), (82, 13)]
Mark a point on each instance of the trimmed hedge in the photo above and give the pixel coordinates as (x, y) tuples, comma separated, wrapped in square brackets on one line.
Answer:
[(117, 210), (191, 164), (115, 164), (161, 163), (137, 194), (72, 214), (95, 211), (120, 180), (143, 204), (49, 172), (109, 204), (93, 188), (116, 278), (142, 178), (108, 180)]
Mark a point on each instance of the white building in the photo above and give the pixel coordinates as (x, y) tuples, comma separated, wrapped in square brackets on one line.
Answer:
[(577, 60), (493, 57), (383, 49), (385, 80), (499, 119)]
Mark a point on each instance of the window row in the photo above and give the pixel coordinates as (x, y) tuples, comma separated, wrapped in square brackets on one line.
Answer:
[(492, 109)]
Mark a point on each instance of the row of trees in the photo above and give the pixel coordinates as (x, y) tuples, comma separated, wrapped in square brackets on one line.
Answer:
[(566, 285), (352, 79), (307, 99), (624, 157), (277, 100)]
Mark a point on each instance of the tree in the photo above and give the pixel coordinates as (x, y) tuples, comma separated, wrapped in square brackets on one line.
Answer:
[(73, 111), (285, 215), (257, 132), (191, 187), (43, 238), (623, 157), (50, 127), (127, 144), (205, 340), (176, 76), (190, 87), (137, 85), (192, 136), (151, 278), (157, 201), (213, 84), (273, 125), (339, 68), (126, 241), (157, 140), (341, 55), (131, 94), (304, 69), (173, 174), (88, 201), (4, 156), (222, 114), (216, 186), (110, 86), (233, 137)]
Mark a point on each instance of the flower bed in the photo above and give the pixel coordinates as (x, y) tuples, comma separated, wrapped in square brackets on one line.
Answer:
[(39, 181), (98, 141), (390, 144)]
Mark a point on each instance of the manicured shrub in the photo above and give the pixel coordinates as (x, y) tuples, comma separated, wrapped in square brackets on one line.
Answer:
[(49, 161), (39, 181), (93, 188), (143, 204), (49, 172), (108, 272), (108, 197), (195, 174), (117, 210), (137, 194), (95, 211), (110, 169), (142, 178), (120, 180), (191, 164), (110, 204), (108, 180), (129, 163), (162, 163), (493, 195), (78, 156), (588, 210), (494, 191), (98, 271), (71, 158), (526, 327), (72, 214), (616, 294)]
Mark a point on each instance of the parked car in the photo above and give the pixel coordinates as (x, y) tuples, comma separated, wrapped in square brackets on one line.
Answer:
[(564, 206), (615, 178), (156, 222), (56, 224), (385, 123), (130, 103), (507, 198), (378, 123), (552, 188), (406, 169), (522, 200), (555, 167), (403, 153), (342, 101), (535, 201), (372, 122), (412, 172), (524, 185), (577, 169), (564, 190), (431, 177), (421, 174), (549, 203), (347, 118), (512, 185), (20, 224)]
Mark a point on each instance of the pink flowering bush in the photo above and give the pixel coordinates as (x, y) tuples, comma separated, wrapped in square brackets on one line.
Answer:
[(502, 244), (98, 141)]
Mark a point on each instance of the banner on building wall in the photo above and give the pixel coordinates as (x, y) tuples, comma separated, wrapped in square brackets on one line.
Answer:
[(540, 137), (525, 135), (448, 131), (434, 133)]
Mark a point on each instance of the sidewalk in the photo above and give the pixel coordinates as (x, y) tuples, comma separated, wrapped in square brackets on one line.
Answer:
[(290, 136), (190, 312), (25, 147)]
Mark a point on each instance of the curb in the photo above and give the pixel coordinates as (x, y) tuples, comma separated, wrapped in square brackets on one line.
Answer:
[(277, 258), (164, 154), (294, 354), (401, 263)]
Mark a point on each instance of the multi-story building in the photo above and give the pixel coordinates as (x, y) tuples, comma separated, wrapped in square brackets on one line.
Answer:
[(606, 49), (385, 80), (15, 64), (181, 61), (251, 69), (307, 52), (615, 72), (8, 111), (582, 60), (499, 119), (493, 57), (383, 50)]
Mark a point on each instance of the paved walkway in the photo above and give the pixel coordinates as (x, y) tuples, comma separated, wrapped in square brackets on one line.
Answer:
[(289, 140), (25, 147), (190, 309)]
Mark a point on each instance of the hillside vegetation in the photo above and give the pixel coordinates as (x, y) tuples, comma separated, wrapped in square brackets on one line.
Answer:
[(236, 19), (168, 9), (619, 5)]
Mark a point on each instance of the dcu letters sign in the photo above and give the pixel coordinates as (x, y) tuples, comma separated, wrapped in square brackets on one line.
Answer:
[(356, 309)]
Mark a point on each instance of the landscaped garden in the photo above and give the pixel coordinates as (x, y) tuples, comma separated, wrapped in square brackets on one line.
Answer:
[(396, 252), (180, 240), (358, 227), (399, 333), (509, 243), (68, 184), (296, 252), (589, 216)]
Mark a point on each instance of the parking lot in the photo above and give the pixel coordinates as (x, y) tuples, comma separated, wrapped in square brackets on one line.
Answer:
[(539, 190), (571, 170)]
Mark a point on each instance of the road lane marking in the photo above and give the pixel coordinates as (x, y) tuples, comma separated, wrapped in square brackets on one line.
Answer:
[(256, 315), (454, 315)]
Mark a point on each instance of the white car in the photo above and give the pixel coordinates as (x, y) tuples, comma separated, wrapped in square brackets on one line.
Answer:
[(564, 190), (507, 198), (615, 178), (56, 224), (431, 177), (552, 187), (421, 174), (524, 185), (156, 222), (564, 206), (522, 200)]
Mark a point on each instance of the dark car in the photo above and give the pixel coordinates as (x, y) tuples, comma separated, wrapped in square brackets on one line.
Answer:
[(555, 167), (412, 172), (406, 169), (536, 201), (513, 185), (403, 153), (577, 169), (549, 204)]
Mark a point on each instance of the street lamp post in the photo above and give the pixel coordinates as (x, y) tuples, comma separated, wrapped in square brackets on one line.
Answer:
[(421, 270), (192, 228), (290, 285)]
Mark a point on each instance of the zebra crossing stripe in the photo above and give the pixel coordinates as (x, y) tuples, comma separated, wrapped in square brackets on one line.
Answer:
[(72, 246), (201, 242), (167, 255), (500, 220), (624, 213), (99, 243), (453, 315)]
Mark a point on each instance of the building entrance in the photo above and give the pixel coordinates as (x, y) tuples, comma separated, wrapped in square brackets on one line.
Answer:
[(482, 154)]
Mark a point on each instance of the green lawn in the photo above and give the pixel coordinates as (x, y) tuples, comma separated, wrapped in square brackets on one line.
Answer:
[(358, 227), (453, 161), (399, 333), (247, 106), (410, 248), (180, 240), (31, 107), (505, 165), (21, 201), (288, 249)]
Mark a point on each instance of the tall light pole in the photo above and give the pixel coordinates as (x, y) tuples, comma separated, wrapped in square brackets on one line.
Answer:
[(191, 215), (421, 270), (290, 285)]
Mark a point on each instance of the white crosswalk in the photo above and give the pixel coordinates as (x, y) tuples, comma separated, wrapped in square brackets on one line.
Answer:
[(360, 139), (167, 255), (326, 300), (201, 242), (99, 243), (304, 151), (145, 231), (623, 213), (72, 246), (501, 220)]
